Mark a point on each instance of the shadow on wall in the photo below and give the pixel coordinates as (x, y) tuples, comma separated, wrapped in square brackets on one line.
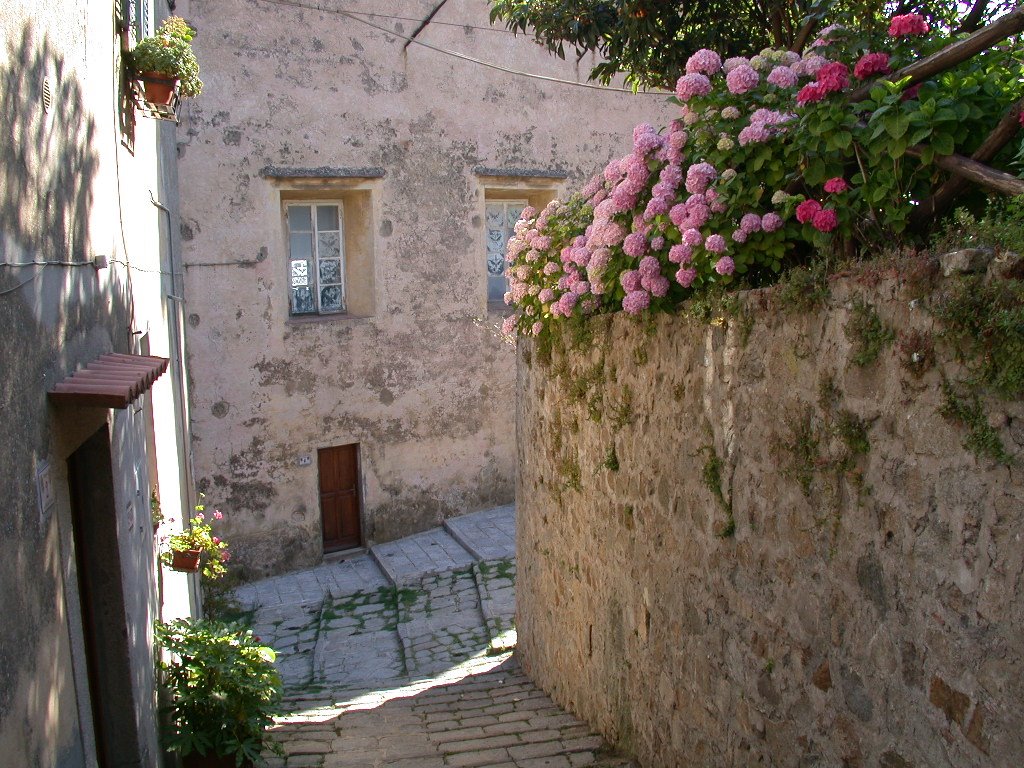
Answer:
[(51, 318)]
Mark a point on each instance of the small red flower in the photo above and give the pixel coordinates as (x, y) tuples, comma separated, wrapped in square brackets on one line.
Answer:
[(825, 220), (908, 24), (872, 64), (836, 186), (810, 93), (806, 211)]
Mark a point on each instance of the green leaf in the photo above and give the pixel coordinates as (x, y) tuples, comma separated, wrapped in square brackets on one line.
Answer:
[(843, 139), (920, 135), (897, 125), (942, 143)]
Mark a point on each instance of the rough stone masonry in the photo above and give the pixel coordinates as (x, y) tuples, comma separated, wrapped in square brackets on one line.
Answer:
[(739, 547)]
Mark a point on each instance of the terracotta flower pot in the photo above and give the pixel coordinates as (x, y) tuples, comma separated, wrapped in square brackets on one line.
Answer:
[(158, 87), (186, 560)]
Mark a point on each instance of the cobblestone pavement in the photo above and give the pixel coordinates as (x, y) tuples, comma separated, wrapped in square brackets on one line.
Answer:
[(402, 657)]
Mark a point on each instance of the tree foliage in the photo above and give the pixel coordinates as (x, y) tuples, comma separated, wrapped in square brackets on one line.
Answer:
[(650, 40)]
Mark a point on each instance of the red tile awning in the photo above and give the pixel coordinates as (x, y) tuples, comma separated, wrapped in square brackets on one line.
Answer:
[(110, 381)]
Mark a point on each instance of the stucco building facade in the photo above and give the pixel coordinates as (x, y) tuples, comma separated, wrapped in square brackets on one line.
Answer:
[(88, 258), (340, 187)]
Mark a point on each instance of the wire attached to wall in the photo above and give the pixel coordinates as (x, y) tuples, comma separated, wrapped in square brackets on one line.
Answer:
[(462, 56)]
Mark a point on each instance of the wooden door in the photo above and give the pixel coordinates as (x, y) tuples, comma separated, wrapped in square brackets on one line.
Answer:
[(339, 497)]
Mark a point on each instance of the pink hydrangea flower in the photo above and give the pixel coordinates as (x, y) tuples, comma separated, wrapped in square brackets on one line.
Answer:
[(871, 64), (698, 215), (739, 236), (705, 61), (657, 243), (692, 237), (725, 266), (809, 66), (537, 328), (806, 210), (567, 303), (658, 285), (677, 214), (836, 185), (613, 171), (647, 142), (649, 267), (677, 139), (630, 280), (771, 222), (508, 325), (635, 245), (685, 276), (782, 77), (715, 244), (908, 24), (730, 113), (546, 296), (825, 220), (550, 268), (636, 302), (810, 93), (699, 177), (754, 134), (742, 79), (834, 77), (750, 223), (735, 61), (691, 85), (680, 254)]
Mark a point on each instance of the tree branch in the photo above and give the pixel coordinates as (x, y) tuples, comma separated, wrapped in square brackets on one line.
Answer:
[(973, 19)]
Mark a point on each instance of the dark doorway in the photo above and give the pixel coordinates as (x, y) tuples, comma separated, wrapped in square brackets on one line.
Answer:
[(101, 593), (339, 496)]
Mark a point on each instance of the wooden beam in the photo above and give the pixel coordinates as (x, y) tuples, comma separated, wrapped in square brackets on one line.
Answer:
[(940, 201), (979, 173), (954, 53)]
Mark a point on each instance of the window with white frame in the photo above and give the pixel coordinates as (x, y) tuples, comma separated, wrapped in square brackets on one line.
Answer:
[(501, 217), (316, 258)]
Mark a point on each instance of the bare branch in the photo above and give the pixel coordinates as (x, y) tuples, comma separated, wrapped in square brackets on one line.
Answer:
[(973, 19)]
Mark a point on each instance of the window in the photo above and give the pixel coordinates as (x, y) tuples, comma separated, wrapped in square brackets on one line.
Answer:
[(501, 217), (316, 259)]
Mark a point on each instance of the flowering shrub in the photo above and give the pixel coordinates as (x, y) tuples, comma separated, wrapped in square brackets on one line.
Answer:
[(768, 161), (198, 536)]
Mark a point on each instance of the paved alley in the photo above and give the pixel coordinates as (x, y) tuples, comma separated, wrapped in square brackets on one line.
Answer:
[(402, 657)]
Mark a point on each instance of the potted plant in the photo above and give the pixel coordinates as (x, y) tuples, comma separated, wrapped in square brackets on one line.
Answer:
[(195, 545), (166, 62), (221, 692)]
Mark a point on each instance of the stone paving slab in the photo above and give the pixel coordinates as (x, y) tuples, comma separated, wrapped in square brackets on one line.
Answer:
[(495, 580), (401, 660), (408, 561), (487, 535)]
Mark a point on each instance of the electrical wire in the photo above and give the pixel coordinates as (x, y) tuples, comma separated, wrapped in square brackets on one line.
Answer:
[(47, 264), (19, 286), (462, 56), (432, 22)]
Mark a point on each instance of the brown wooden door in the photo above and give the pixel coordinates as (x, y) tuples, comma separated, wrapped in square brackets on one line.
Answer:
[(339, 496)]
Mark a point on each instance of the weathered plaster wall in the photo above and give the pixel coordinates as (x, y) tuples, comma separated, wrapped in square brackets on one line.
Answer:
[(70, 190), (871, 623), (423, 383)]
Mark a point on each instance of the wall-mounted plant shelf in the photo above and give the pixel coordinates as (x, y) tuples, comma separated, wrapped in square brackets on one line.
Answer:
[(155, 105)]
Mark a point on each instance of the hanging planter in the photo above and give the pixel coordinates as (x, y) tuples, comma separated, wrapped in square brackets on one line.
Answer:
[(159, 88), (185, 560)]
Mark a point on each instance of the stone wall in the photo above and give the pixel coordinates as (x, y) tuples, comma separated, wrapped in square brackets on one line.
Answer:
[(416, 374), (866, 608)]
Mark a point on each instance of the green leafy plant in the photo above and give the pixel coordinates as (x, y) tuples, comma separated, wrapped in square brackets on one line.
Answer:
[(222, 689), (868, 333), (197, 536), (169, 53), (965, 408)]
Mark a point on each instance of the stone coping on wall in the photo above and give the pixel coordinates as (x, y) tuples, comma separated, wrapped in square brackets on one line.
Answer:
[(736, 546), (321, 172), (521, 173)]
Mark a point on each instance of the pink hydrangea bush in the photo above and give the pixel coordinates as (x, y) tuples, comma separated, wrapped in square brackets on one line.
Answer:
[(767, 160)]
